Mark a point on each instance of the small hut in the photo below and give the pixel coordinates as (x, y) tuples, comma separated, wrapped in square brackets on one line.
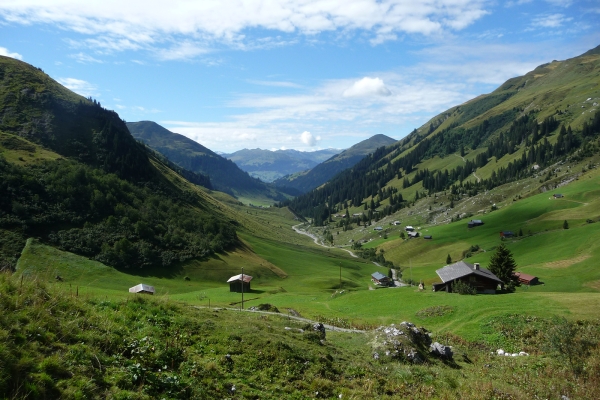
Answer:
[(236, 284), (379, 279), (527, 279), (142, 288)]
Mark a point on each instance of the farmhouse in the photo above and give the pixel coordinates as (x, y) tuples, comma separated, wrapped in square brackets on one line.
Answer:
[(480, 278), (409, 228), (475, 222), (380, 279), (413, 234), (506, 234), (236, 284), (527, 279), (141, 288)]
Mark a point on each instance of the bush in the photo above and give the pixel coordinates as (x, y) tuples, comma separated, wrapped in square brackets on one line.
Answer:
[(461, 287)]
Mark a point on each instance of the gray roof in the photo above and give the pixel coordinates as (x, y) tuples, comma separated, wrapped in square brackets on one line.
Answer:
[(379, 276), (460, 269)]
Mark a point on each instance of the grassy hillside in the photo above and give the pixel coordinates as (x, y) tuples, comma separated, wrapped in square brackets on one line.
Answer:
[(308, 180), (225, 175), (535, 121), (57, 344)]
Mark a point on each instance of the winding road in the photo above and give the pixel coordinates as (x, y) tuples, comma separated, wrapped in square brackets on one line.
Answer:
[(317, 242)]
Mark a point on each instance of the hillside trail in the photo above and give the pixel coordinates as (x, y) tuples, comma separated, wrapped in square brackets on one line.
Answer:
[(317, 242), (289, 317), (461, 157), (476, 177)]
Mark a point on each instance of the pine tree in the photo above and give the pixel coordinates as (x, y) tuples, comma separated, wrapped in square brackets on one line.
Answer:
[(448, 260), (503, 265), (565, 225)]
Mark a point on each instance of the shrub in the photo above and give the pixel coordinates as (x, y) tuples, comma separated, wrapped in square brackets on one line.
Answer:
[(461, 287)]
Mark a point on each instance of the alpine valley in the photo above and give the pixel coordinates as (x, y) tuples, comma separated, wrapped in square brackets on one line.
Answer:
[(91, 206)]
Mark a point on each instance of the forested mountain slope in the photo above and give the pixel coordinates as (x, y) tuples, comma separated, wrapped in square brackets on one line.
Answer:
[(528, 123), (323, 172), (72, 175), (224, 174)]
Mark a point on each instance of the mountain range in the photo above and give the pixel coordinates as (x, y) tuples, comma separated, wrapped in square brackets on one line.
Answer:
[(270, 165), (315, 177)]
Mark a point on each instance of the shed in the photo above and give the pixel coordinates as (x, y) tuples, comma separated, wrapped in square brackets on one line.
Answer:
[(378, 228), (380, 279), (236, 284), (413, 234), (506, 234), (409, 228), (428, 237), (475, 222), (396, 222), (558, 195), (527, 279), (142, 288), (480, 278)]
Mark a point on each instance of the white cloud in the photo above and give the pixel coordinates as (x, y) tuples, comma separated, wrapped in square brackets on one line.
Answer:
[(4, 52), (308, 139), (85, 58), (550, 21), (177, 29), (275, 83), (79, 86), (367, 87)]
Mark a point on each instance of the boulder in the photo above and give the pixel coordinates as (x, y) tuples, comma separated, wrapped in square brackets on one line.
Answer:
[(319, 328), (441, 351)]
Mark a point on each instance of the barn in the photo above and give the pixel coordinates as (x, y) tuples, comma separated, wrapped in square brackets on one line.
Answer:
[(480, 278), (527, 279), (239, 283), (379, 279), (474, 222), (142, 288)]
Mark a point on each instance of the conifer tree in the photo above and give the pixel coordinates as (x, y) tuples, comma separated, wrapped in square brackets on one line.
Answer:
[(448, 259), (503, 265)]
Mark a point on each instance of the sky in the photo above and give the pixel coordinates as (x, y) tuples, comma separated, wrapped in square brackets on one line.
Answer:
[(291, 74)]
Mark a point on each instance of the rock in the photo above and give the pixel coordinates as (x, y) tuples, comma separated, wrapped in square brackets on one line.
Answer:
[(440, 350), (515, 354), (500, 352), (522, 353), (414, 357), (320, 329), (376, 356)]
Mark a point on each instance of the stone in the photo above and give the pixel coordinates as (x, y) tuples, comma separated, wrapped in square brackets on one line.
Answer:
[(320, 329), (500, 352), (441, 351)]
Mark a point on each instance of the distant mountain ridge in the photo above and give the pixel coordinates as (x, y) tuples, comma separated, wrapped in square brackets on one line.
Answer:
[(224, 174), (270, 165), (309, 180)]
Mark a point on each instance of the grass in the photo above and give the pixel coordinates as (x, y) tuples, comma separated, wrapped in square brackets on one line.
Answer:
[(58, 345)]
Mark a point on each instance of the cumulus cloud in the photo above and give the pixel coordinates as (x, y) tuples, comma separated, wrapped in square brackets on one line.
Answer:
[(79, 86), (114, 25), (4, 52), (308, 139), (367, 87)]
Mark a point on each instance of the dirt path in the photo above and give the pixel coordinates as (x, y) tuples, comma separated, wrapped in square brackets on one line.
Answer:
[(476, 177), (282, 315), (317, 242), (461, 157)]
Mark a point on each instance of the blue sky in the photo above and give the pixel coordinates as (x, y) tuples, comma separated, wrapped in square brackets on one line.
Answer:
[(294, 74)]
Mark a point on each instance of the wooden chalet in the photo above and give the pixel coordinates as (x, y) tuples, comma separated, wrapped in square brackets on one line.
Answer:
[(142, 288), (378, 228), (480, 278), (379, 279), (236, 283), (409, 228), (558, 195), (527, 279), (506, 234), (474, 222), (413, 234), (428, 237)]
